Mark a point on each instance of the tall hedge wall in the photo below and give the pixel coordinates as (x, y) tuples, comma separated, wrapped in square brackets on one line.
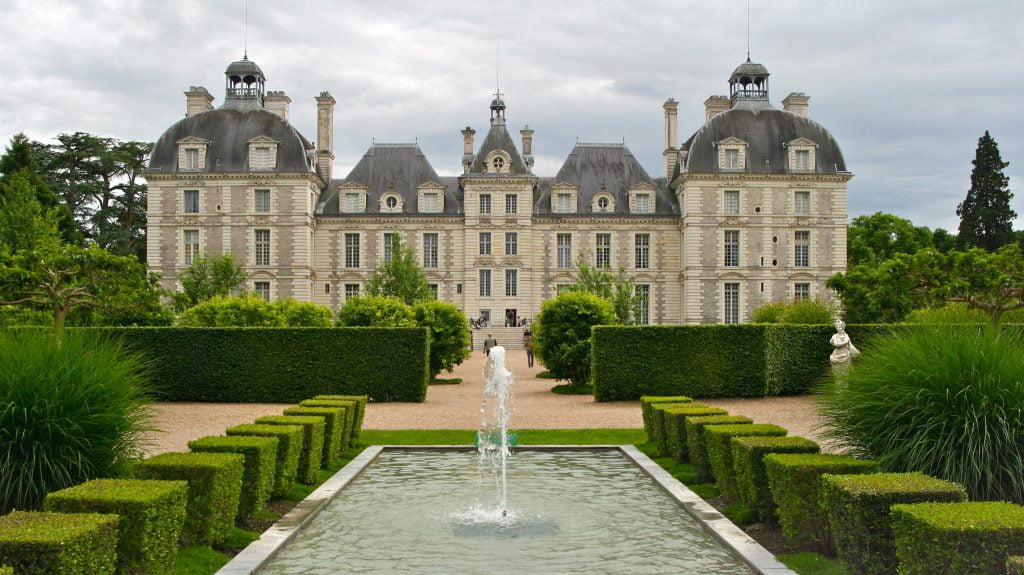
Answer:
[(282, 365)]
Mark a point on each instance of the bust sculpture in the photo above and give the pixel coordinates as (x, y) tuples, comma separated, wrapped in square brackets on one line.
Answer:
[(843, 349)]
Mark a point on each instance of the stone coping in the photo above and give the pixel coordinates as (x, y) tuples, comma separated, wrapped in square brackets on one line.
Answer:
[(253, 558)]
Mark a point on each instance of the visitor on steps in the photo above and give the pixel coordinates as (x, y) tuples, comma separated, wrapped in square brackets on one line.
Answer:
[(528, 345), (489, 343)]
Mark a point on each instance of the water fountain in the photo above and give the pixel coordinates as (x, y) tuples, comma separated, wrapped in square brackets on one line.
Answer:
[(492, 440)]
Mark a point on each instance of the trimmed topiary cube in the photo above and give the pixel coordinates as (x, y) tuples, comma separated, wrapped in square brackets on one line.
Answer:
[(646, 404), (795, 482), (1015, 566), (39, 543), (337, 430), (963, 538), (695, 446), (718, 442), (152, 515), (360, 409), (214, 489), (674, 422), (752, 478), (258, 468), (312, 443), (289, 447), (858, 509)]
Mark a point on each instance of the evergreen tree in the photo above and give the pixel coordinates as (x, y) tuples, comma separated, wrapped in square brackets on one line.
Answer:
[(986, 220), (24, 224), (27, 158)]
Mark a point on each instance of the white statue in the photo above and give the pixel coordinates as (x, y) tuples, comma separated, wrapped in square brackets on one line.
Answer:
[(844, 352)]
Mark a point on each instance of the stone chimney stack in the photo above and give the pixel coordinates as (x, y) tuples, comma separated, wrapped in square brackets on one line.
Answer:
[(527, 134), (715, 105), (197, 101), (797, 102), (277, 102), (467, 148), (325, 134), (671, 136)]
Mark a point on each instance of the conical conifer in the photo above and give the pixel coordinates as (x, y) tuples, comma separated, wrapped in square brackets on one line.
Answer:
[(986, 220)]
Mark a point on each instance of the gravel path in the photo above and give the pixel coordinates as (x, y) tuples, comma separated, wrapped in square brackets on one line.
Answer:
[(458, 407)]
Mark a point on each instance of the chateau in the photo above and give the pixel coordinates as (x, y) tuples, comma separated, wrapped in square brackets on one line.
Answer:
[(751, 207)]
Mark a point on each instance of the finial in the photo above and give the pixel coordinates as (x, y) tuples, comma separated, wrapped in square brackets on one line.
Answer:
[(245, 44), (748, 30)]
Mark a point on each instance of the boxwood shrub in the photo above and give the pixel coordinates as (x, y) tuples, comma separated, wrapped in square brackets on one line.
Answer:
[(674, 426), (1015, 566), (657, 434), (258, 468), (858, 509), (214, 488), (718, 442), (795, 482), (335, 429), (752, 479), (312, 442), (152, 514), (351, 418), (360, 400), (40, 543), (289, 447), (695, 442), (646, 403), (964, 538)]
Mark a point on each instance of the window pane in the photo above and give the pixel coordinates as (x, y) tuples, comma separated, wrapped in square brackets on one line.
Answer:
[(510, 203), (803, 159), (643, 251), (732, 248), (732, 303), (643, 203), (732, 159), (262, 158), (351, 290), (603, 256), (801, 291), (263, 289), (511, 277), (263, 247), (430, 250), (564, 243), (433, 289), (351, 250), (485, 283), (511, 243), (732, 202), (389, 247), (431, 202), (262, 203), (643, 304), (802, 203), (192, 159), (564, 203), (351, 202), (191, 246), (802, 248), (485, 243), (485, 203), (191, 201)]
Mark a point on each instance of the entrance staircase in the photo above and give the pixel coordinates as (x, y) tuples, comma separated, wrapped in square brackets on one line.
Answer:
[(508, 337)]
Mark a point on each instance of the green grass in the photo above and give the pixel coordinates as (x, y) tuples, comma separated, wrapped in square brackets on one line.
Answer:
[(525, 437), (300, 491), (545, 375), (739, 513), (238, 539), (812, 564), (566, 389), (198, 560), (446, 381)]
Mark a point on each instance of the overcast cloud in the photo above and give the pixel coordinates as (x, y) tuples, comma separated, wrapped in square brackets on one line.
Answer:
[(905, 87)]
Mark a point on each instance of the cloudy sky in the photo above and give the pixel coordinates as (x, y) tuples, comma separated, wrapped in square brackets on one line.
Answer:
[(905, 87)]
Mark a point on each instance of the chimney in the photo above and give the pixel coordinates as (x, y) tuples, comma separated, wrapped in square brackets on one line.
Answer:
[(277, 102), (197, 101), (527, 134), (325, 134), (797, 103), (671, 136), (715, 105), (467, 148)]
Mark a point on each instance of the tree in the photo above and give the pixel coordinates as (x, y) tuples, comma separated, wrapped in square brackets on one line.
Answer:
[(401, 276), (449, 334), (618, 289), (561, 336), (880, 236), (375, 311), (986, 220), (24, 156), (208, 277), (888, 291), (119, 223), (24, 224), (991, 282)]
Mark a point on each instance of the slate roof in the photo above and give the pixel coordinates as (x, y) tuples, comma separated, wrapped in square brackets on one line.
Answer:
[(498, 138)]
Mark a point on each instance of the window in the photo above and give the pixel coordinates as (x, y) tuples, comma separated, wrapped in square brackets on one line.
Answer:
[(389, 246), (510, 203), (731, 160), (731, 203), (801, 291), (391, 202), (642, 248), (485, 283), (262, 247), (732, 248), (602, 203), (458, 289), (564, 249), (191, 246), (191, 198), (262, 289), (327, 288), (430, 250), (485, 203), (485, 243), (511, 277), (433, 289), (351, 202), (802, 203), (564, 202), (802, 249), (192, 159), (643, 304), (431, 202), (351, 291), (603, 255), (643, 203), (261, 201), (262, 158), (802, 160), (511, 243), (732, 303), (498, 164), (351, 250)]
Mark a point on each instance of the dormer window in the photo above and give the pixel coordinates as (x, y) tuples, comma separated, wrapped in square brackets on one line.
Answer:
[(641, 199), (603, 202), (391, 202), (563, 199), (431, 198), (192, 154), (192, 158), (351, 202), (262, 154), (732, 154), (498, 162), (732, 159), (801, 155)]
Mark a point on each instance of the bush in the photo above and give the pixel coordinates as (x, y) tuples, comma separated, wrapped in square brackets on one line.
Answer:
[(674, 428), (257, 470), (751, 477), (351, 423), (956, 538), (695, 441), (250, 310), (375, 311), (646, 403), (312, 443), (795, 483), (37, 543), (1015, 566), (657, 433), (937, 400), (303, 313), (17, 315), (152, 515), (858, 508), (959, 313), (449, 333), (360, 409), (809, 312), (718, 442), (770, 312), (337, 434), (214, 488), (561, 336), (68, 413), (289, 447)]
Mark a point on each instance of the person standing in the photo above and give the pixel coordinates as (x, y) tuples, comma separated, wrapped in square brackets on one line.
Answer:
[(489, 343), (528, 344)]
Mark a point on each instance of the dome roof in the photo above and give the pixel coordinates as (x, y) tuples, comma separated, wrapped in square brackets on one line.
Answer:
[(748, 68), (244, 67)]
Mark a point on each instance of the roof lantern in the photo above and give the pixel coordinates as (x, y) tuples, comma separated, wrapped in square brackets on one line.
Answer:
[(749, 81), (244, 81), (497, 109)]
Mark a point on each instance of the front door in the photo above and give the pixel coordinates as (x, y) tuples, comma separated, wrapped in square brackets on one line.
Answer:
[(511, 319)]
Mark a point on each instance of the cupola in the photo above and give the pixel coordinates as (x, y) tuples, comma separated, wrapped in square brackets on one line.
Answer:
[(244, 81), (749, 81)]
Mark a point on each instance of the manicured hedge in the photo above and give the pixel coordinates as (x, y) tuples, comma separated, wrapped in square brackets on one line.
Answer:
[(751, 478), (312, 443), (152, 515), (283, 365), (658, 417), (289, 447), (1015, 566), (257, 470), (360, 409), (351, 418), (718, 442), (858, 509), (964, 538), (795, 482), (214, 488), (336, 432), (39, 543), (646, 403), (674, 427), (695, 442)]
